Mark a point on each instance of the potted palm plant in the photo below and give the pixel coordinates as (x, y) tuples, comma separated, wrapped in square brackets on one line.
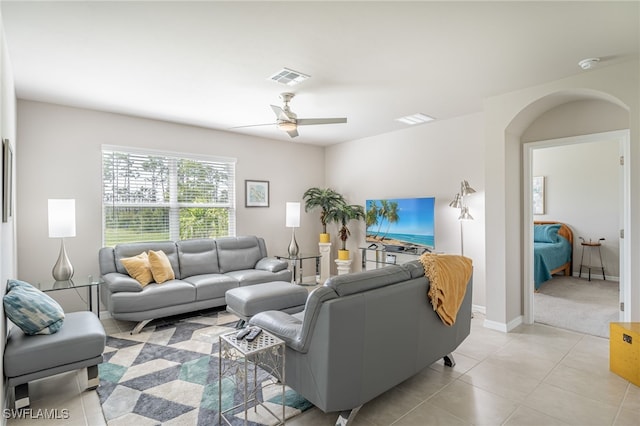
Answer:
[(342, 215), (326, 199)]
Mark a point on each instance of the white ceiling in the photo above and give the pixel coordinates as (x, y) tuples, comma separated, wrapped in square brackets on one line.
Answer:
[(207, 63)]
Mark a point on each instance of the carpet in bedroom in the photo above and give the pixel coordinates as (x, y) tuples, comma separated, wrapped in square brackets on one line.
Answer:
[(578, 304)]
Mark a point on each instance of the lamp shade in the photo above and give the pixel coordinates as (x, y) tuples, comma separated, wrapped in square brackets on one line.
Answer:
[(62, 218), (465, 189), (464, 214), (456, 203), (293, 215)]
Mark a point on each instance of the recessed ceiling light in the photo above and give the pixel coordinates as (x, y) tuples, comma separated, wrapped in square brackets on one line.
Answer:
[(418, 118), (588, 63), (288, 77)]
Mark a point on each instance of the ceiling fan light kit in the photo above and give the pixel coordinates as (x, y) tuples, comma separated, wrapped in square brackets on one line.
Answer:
[(287, 126)]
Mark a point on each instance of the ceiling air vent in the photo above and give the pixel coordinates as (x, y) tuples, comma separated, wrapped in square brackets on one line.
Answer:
[(288, 77)]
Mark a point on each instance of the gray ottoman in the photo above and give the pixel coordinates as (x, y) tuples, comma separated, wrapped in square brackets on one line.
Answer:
[(78, 344), (247, 301)]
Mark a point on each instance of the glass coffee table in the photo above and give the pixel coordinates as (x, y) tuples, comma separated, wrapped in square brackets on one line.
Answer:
[(88, 282)]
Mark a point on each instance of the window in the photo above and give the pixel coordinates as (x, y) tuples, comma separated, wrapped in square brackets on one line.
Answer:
[(155, 196)]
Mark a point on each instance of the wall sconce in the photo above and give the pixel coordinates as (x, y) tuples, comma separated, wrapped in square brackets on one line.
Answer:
[(62, 223), (293, 222), (458, 203)]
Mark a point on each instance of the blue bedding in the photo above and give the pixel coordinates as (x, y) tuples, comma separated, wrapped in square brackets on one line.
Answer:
[(549, 256)]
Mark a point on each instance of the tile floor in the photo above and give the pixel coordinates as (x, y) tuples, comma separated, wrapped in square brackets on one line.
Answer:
[(536, 375)]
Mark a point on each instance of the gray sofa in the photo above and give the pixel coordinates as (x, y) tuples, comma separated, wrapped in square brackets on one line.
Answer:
[(204, 268), (361, 334)]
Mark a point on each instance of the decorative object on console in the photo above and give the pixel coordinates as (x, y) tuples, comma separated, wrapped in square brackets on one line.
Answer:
[(62, 223), (458, 203), (293, 222), (327, 200)]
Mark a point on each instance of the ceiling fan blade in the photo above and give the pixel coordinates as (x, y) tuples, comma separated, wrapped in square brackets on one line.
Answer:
[(309, 121), (253, 125), (281, 114), (293, 133)]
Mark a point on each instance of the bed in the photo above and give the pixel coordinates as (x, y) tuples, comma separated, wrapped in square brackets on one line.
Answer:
[(552, 250)]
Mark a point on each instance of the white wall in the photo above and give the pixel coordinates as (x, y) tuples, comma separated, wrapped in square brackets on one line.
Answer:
[(7, 230), (60, 157), (582, 190), (426, 160)]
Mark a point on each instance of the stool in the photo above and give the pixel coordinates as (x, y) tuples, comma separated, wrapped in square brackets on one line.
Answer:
[(591, 245), (78, 344), (247, 301)]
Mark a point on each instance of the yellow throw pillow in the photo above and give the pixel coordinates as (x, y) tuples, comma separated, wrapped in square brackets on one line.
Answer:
[(138, 267), (160, 266)]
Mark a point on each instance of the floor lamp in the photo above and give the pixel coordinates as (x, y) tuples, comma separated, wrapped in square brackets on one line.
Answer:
[(458, 203)]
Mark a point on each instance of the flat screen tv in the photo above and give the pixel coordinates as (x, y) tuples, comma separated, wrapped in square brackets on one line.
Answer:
[(404, 222)]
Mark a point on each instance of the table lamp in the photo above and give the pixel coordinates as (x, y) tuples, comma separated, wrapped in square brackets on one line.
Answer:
[(293, 222), (62, 223)]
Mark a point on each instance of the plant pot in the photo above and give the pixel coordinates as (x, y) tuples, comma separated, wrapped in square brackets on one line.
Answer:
[(325, 238), (343, 254)]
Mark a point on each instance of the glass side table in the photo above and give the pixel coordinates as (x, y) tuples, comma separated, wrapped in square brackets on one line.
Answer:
[(296, 267), (75, 283), (239, 360)]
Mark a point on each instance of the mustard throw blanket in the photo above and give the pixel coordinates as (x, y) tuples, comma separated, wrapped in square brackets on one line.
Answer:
[(449, 275)]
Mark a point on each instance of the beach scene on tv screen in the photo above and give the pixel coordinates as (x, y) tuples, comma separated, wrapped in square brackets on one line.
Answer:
[(401, 221)]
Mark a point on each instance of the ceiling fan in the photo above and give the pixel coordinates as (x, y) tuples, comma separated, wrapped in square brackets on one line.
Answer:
[(288, 121)]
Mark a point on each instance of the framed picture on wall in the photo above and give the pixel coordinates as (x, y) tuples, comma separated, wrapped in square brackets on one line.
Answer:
[(256, 193), (7, 180), (538, 195)]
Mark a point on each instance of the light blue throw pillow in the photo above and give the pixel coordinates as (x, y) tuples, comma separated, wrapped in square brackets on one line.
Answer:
[(546, 233), (32, 310)]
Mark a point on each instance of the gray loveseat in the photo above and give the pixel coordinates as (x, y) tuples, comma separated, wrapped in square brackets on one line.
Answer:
[(204, 270), (361, 334)]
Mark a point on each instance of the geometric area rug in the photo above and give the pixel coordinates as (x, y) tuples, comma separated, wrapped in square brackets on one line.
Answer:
[(168, 375)]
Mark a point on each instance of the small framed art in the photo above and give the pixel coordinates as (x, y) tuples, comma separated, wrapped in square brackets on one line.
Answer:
[(256, 193), (538, 195)]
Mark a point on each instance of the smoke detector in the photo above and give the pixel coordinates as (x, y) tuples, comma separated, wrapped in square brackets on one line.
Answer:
[(587, 64)]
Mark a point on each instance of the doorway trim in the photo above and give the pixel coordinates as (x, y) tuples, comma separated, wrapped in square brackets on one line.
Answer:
[(623, 138)]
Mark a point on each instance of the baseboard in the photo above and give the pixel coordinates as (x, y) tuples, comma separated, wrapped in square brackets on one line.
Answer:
[(500, 326), (479, 308)]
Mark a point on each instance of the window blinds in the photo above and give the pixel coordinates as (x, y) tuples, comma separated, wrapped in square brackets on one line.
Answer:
[(155, 196)]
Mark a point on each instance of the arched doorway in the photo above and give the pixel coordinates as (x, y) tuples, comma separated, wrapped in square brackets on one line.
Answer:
[(566, 134)]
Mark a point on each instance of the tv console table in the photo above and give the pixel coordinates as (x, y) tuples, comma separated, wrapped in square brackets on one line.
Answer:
[(377, 256)]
